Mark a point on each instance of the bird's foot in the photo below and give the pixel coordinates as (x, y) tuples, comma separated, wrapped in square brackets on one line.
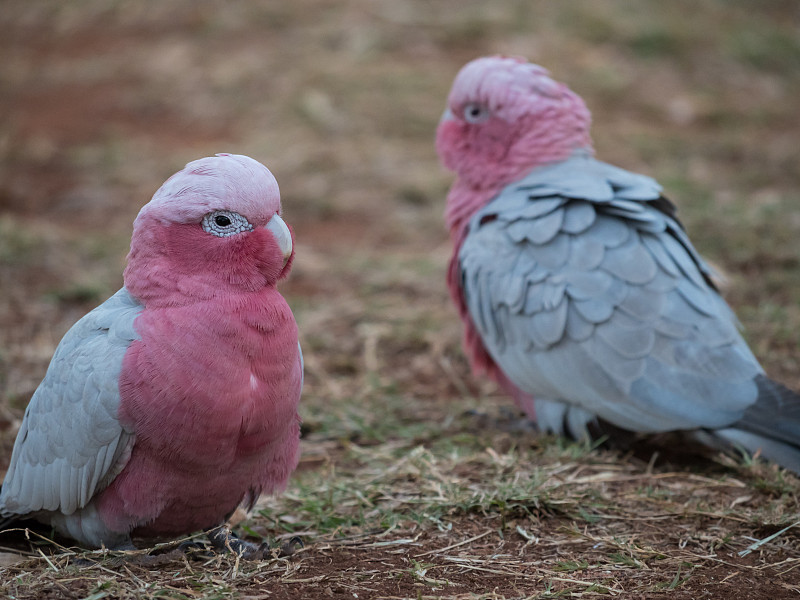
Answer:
[(224, 540), (507, 420), (291, 546), (195, 548)]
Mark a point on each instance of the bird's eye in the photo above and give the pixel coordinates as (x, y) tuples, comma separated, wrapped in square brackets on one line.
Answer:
[(475, 113), (223, 223)]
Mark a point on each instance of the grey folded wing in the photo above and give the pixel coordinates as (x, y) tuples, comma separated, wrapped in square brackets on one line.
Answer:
[(71, 444), (586, 290)]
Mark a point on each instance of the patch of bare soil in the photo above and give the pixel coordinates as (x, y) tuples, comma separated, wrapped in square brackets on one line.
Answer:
[(477, 555)]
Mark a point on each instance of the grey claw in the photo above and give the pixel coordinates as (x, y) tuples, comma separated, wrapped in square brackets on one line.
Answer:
[(195, 548), (224, 540), (290, 547)]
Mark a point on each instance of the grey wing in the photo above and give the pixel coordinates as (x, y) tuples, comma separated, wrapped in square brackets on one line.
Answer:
[(600, 302), (71, 443)]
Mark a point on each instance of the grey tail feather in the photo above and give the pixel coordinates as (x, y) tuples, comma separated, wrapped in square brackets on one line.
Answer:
[(785, 455), (771, 425), (775, 413)]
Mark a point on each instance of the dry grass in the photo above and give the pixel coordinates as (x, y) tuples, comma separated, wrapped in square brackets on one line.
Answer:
[(465, 513), (416, 480)]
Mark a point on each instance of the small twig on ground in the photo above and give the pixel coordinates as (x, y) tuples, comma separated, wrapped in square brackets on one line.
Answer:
[(766, 540)]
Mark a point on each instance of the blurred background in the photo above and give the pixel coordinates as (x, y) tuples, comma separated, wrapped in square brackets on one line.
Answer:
[(101, 101)]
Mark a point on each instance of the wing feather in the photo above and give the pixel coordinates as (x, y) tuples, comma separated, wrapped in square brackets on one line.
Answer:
[(540, 231), (586, 253), (579, 218), (577, 328), (547, 328), (70, 437), (621, 320)]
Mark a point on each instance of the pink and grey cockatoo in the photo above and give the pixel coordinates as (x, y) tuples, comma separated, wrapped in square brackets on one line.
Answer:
[(580, 292), (175, 401)]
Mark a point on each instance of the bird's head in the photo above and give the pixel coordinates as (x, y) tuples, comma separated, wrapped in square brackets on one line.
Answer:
[(506, 116), (213, 227)]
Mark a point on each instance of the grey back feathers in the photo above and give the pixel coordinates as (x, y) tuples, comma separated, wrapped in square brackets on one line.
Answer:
[(589, 295), (71, 443)]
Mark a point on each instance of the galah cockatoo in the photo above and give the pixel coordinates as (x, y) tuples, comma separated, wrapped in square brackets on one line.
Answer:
[(175, 401), (580, 292)]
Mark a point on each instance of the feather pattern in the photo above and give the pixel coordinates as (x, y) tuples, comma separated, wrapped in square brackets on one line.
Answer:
[(58, 465), (620, 299)]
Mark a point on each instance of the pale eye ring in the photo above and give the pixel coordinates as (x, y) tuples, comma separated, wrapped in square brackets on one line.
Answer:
[(475, 113), (224, 223)]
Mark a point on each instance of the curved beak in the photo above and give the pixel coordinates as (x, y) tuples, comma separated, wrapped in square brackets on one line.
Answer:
[(282, 235)]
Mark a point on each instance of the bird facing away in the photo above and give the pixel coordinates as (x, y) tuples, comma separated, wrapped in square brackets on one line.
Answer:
[(175, 401), (579, 290)]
